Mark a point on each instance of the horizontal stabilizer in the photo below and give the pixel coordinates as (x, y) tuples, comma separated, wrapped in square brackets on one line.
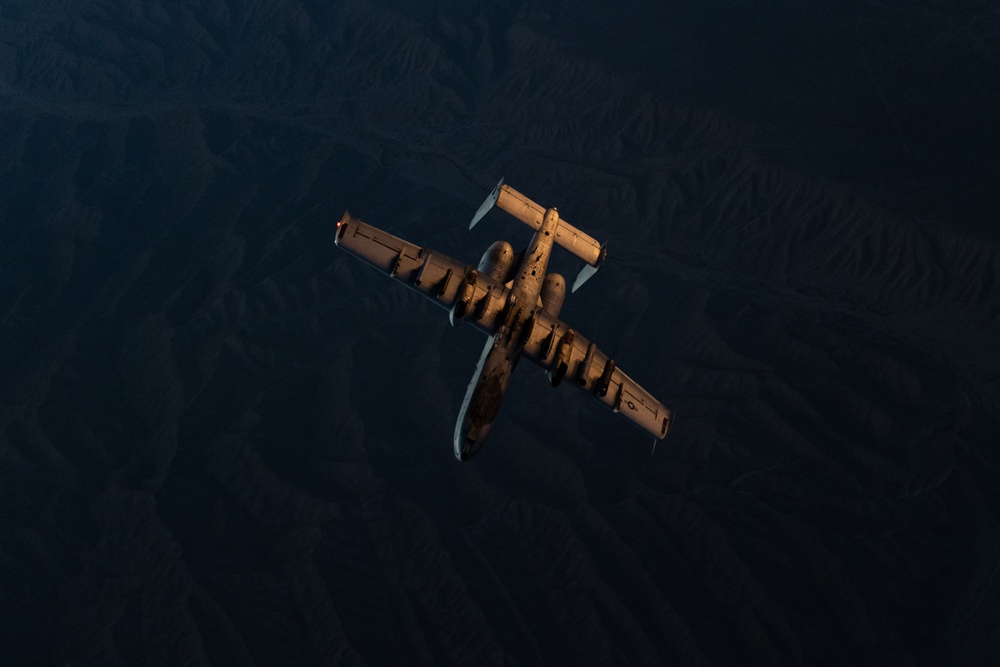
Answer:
[(569, 237), (583, 246)]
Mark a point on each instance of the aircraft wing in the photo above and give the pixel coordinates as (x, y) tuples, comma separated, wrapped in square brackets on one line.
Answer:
[(547, 341), (553, 344), (440, 278)]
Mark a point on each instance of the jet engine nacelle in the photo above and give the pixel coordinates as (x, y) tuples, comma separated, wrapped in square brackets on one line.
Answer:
[(553, 294), (497, 261)]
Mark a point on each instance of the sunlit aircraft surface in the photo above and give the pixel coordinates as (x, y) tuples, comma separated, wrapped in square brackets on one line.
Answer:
[(516, 302)]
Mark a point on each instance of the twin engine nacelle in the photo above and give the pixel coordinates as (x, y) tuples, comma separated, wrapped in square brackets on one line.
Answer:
[(498, 264), (497, 261)]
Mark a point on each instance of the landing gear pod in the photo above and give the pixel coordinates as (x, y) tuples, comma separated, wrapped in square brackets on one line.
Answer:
[(605, 380), (561, 363), (463, 303)]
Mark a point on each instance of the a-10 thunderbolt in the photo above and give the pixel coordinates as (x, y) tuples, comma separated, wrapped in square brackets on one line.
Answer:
[(512, 299)]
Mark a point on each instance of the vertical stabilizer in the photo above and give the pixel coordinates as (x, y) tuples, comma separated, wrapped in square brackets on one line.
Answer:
[(487, 205), (588, 271)]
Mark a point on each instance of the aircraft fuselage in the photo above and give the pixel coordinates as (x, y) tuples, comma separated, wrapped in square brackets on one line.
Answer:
[(503, 348), (514, 301)]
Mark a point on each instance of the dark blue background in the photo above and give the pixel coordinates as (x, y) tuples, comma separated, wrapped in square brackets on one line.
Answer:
[(223, 441)]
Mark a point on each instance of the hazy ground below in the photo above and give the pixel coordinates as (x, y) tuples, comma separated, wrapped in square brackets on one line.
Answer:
[(223, 441)]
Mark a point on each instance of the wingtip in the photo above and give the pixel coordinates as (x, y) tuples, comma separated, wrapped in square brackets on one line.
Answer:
[(341, 226)]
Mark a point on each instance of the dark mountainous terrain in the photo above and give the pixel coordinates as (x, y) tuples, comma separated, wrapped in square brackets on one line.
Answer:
[(225, 442)]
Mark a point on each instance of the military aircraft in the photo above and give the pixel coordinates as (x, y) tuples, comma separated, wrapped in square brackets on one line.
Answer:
[(512, 299)]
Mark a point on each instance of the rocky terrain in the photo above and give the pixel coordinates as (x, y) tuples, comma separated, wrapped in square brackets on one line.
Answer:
[(225, 442)]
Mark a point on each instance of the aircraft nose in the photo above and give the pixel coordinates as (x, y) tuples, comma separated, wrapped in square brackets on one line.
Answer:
[(467, 450), (469, 441)]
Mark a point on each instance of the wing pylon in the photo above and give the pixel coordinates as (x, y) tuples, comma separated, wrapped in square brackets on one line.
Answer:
[(570, 357), (455, 286)]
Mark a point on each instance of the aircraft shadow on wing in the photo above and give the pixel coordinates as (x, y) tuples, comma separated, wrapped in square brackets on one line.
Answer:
[(515, 301)]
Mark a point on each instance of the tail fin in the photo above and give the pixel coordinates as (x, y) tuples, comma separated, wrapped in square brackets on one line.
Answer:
[(569, 237), (487, 205), (588, 271)]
